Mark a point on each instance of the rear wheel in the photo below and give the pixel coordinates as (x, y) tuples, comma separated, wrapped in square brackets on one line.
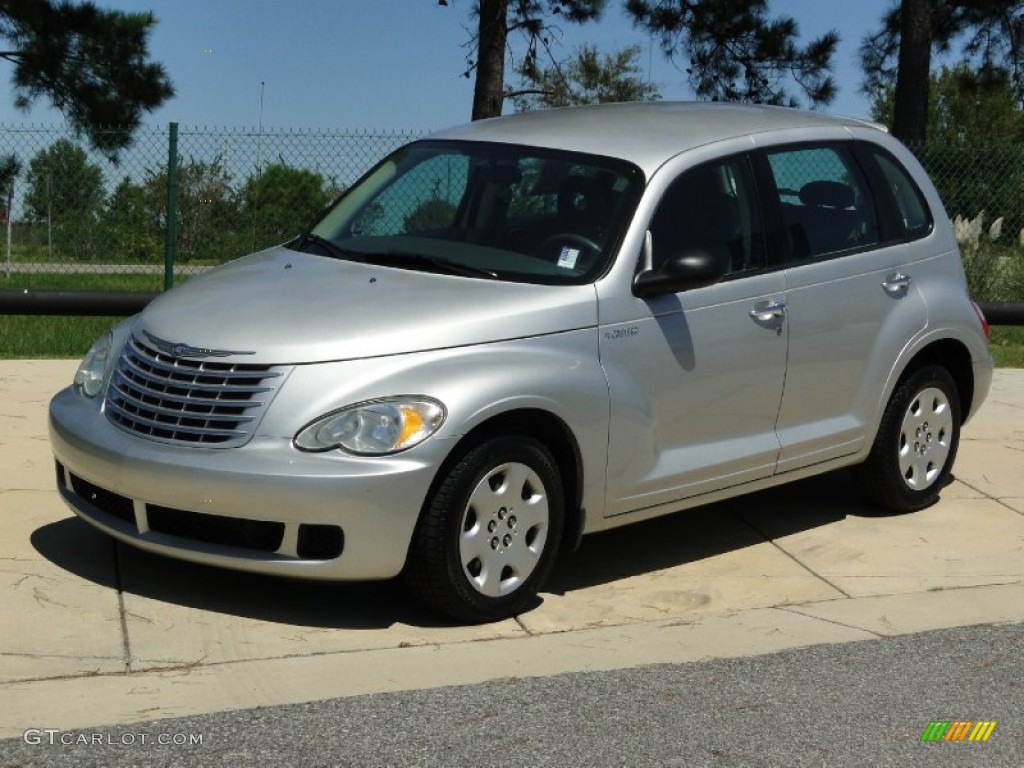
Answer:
[(912, 457), (488, 536)]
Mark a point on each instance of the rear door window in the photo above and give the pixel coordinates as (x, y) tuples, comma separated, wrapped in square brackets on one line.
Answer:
[(825, 201)]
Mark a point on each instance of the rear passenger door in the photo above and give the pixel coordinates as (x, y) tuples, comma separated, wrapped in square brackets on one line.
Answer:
[(851, 301)]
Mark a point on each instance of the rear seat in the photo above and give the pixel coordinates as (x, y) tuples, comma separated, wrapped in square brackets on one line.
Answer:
[(826, 220)]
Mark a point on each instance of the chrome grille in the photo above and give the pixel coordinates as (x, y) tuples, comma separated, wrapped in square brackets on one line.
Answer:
[(189, 402)]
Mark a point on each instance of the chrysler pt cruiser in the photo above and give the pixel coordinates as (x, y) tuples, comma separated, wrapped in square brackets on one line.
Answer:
[(516, 332)]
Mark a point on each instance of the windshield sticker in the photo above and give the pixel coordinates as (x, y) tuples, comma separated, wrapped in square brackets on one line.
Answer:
[(567, 258)]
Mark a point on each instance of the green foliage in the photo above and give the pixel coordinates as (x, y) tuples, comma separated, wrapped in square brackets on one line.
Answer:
[(130, 225), (281, 202), (207, 217), (65, 191), (979, 179), (733, 51), (434, 213), (68, 215), (974, 154), (965, 108), (984, 34), (587, 78), (993, 258), (10, 167), (92, 64)]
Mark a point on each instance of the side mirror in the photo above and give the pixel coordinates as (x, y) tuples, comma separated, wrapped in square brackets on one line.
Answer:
[(681, 272)]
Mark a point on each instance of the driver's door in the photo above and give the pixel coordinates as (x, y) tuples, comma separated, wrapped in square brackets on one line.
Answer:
[(696, 377)]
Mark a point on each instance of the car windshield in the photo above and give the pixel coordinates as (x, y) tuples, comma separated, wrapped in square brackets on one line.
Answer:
[(487, 211)]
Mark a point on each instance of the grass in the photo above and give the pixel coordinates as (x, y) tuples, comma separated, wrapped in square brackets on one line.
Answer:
[(35, 337), (1008, 346), (44, 336)]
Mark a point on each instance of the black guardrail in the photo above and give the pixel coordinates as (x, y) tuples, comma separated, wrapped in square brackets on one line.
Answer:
[(78, 303), (1003, 312), (122, 304)]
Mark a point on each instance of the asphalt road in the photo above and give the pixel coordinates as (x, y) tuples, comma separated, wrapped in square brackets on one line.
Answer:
[(855, 704)]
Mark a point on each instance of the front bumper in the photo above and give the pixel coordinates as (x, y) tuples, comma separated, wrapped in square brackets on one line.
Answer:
[(264, 507)]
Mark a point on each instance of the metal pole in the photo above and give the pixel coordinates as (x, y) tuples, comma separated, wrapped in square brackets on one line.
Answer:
[(259, 169), (49, 216), (10, 214), (172, 206)]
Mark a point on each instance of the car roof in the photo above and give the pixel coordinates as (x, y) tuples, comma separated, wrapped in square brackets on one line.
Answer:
[(645, 133)]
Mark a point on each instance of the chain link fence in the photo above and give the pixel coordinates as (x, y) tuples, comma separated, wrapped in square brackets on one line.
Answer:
[(72, 219), (982, 188)]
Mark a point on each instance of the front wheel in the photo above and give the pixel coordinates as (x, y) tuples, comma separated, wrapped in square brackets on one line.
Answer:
[(913, 453), (488, 536)]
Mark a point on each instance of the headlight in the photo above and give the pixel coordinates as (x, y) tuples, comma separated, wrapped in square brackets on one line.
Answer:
[(374, 428), (93, 370)]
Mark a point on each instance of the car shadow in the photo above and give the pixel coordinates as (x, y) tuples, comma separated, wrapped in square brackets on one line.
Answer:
[(711, 530), (654, 545)]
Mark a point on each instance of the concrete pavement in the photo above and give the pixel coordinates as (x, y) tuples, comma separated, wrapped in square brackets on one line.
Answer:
[(93, 633)]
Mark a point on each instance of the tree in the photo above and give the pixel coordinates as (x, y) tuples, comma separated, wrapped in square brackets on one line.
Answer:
[(280, 202), (92, 64), (975, 129), (588, 78), (207, 224), (10, 167), (65, 190), (965, 108), (733, 51), (496, 20), (989, 33), (130, 226)]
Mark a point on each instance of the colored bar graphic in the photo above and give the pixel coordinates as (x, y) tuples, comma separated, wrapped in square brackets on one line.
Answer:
[(958, 730)]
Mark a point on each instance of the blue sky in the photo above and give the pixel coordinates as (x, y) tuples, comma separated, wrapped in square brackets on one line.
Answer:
[(380, 64)]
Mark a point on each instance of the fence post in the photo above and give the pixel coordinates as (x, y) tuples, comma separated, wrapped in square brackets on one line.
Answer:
[(172, 206)]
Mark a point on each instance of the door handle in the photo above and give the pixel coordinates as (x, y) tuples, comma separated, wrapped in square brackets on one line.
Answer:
[(766, 311), (896, 283)]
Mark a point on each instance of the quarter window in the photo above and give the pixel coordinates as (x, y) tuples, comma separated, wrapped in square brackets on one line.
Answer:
[(914, 214), (825, 201)]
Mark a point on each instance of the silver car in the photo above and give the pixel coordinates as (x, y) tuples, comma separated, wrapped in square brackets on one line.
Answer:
[(526, 329)]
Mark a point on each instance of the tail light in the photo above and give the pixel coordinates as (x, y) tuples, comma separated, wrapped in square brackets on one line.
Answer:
[(982, 320)]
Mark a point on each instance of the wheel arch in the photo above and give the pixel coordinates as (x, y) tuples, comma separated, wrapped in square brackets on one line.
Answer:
[(549, 430), (954, 356)]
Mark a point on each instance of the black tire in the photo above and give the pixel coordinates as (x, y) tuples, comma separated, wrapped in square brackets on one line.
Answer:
[(912, 458), (488, 536)]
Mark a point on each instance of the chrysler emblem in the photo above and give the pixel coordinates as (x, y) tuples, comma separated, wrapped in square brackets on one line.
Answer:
[(180, 349)]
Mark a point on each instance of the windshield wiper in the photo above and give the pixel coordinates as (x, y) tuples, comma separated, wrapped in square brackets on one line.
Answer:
[(330, 248), (427, 263)]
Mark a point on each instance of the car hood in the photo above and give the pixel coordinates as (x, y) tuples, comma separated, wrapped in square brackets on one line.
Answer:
[(282, 307)]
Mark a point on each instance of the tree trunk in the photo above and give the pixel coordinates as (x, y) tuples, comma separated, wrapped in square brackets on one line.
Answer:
[(910, 113), (488, 91)]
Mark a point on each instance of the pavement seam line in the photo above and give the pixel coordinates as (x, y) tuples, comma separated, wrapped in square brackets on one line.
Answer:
[(522, 626), (126, 646), (775, 544), (996, 499), (793, 610)]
